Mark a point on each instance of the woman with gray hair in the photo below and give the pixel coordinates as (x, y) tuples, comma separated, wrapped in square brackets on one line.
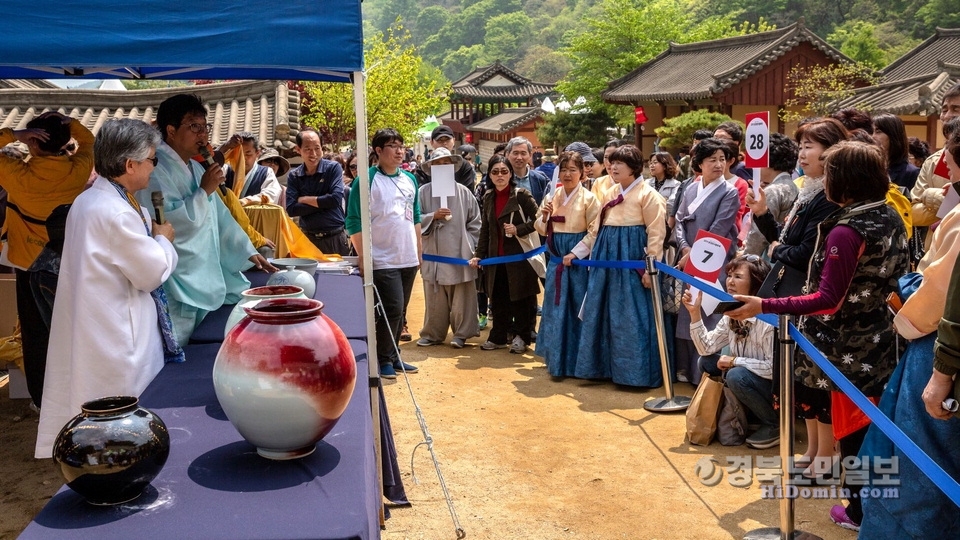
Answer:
[(110, 333)]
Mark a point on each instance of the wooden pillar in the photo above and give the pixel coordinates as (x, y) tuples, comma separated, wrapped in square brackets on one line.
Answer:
[(932, 132)]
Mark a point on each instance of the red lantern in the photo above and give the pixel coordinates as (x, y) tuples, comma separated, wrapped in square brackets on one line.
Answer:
[(640, 116), (468, 137)]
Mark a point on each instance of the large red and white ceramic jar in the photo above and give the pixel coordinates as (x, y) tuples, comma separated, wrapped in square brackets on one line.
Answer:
[(284, 375)]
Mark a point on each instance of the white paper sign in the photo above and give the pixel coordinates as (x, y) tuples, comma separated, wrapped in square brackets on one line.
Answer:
[(442, 179), (444, 185), (709, 303)]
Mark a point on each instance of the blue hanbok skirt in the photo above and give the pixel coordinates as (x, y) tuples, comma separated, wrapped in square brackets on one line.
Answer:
[(618, 339), (921, 510), (558, 339)]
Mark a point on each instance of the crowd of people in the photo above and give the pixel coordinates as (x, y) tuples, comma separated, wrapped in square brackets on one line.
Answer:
[(840, 219), (845, 210)]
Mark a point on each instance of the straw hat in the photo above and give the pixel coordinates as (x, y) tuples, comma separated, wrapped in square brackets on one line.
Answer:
[(437, 155), (271, 153)]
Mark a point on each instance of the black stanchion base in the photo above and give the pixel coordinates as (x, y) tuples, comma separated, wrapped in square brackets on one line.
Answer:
[(664, 405), (774, 533)]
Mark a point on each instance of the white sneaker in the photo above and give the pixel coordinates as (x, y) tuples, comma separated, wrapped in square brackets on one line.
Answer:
[(518, 346)]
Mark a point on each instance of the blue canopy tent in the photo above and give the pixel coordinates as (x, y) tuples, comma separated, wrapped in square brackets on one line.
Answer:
[(163, 39), (320, 40)]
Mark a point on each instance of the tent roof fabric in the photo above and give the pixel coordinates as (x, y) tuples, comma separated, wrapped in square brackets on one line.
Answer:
[(507, 120), (267, 109), (159, 39), (693, 70)]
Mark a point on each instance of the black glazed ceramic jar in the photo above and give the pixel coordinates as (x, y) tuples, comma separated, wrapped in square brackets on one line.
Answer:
[(111, 451)]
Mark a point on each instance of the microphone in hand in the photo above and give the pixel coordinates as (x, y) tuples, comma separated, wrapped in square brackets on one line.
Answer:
[(156, 198), (210, 162)]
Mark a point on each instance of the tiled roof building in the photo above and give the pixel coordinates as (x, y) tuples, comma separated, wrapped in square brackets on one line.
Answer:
[(732, 75), (913, 85), (492, 104), (266, 108)]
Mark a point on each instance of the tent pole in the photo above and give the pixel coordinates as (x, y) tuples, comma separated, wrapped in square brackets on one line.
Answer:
[(373, 375)]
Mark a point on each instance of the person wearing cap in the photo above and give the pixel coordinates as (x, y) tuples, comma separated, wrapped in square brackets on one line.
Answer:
[(468, 152), (260, 181), (449, 291), (589, 160), (274, 161), (548, 164), (442, 137), (315, 193)]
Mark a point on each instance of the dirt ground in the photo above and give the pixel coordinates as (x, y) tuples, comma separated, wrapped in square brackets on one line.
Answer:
[(524, 456)]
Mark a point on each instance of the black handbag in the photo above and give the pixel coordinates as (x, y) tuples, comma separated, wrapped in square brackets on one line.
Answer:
[(671, 290), (783, 281)]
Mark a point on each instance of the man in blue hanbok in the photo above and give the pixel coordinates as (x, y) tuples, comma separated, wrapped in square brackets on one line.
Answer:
[(212, 248)]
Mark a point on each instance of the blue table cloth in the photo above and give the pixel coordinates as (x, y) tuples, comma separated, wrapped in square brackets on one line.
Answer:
[(342, 298), (214, 485)]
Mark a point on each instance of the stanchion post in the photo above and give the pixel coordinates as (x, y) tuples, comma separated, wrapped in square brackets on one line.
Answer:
[(786, 530), (786, 424), (669, 403)]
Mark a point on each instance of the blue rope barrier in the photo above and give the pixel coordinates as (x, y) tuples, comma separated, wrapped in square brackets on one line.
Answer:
[(445, 260), (724, 296), (488, 261), (927, 466), (946, 483)]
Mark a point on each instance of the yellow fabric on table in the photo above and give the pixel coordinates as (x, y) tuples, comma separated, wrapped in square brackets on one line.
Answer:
[(11, 351), (236, 210), (301, 246), (272, 220), (268, 220)]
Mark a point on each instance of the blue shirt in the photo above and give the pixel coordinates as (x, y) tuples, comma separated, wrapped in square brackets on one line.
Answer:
[(535, 182), (327, 186)]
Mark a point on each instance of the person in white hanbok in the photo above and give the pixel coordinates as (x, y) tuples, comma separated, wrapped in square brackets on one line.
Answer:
[(110, 332)]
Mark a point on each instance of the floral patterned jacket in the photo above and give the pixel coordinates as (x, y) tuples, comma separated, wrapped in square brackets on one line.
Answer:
[(859, 338)]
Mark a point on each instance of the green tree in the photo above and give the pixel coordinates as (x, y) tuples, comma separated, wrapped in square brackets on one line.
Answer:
[(816, 89), (678, 131), (858, 40), (463, 61), (401, 91), (542, 64), (429, 21), (620, 35), (563, 128), (505, 34), (942, 13)]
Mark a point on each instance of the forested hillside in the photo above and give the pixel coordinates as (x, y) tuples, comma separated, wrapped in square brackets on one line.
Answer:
[(537, 37)]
